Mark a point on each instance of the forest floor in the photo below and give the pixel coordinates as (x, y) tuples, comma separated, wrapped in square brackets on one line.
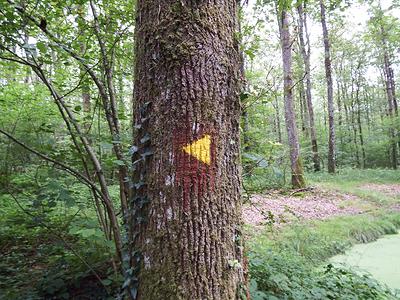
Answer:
[(292, 234), (323, 199), (316, 203)]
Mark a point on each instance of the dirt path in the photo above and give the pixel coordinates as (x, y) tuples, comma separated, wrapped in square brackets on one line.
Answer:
[(391, 190), (275, 208)]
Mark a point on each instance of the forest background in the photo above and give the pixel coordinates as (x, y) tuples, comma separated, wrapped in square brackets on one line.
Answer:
[(66, 124)]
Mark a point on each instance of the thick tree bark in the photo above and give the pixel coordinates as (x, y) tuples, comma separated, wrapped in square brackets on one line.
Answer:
[(306, 58), (290, 117), (328, 72), (185, 234)]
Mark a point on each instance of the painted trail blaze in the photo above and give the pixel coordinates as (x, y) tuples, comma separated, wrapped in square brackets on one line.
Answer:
[(194, 163), (200, 149)]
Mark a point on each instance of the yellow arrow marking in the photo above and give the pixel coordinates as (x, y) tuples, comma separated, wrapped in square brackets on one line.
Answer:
[(200, 149)]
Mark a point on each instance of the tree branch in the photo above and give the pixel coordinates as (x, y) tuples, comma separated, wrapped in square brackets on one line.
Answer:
[(68, 169)]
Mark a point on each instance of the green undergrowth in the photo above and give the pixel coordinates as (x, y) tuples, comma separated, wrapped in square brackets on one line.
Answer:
[(291, 262), (54, 254)]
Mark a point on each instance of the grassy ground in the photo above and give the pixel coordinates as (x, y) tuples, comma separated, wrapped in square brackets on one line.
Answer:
[(290, 262), (354, 181)]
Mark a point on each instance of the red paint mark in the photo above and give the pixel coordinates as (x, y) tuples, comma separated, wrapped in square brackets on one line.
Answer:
[(192, 175)]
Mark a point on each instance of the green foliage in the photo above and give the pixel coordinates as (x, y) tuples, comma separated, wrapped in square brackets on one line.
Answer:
[(357, 176), (264, 171), (51, 244), (49, 239), (290, 265), (285, 276)]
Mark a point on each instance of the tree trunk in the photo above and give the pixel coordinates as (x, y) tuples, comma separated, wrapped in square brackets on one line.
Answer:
[(307, 69), (345, 95), (121, 92), (185, 211), (360, 132), (392, 132), (300, 88), (303, 109), (395, 105), (392, 103), (353, 123), (339, 101), (290, 117), (85, 89), (358, 78), (328, 72), (393, 88), (277, 118), (367, 102)]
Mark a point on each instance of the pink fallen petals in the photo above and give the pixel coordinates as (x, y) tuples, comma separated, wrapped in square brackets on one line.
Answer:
[(277, 209), (392, 190)]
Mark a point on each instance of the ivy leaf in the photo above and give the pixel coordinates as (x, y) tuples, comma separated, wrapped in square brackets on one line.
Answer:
[(89, 232), (119, 162), (106, 281), (147, 153), (134, 292), (139, 185), (137, 161), (145, 139), (106, 146), (126, 283), (133, 150), (250, 54), (41, 46), (65, 196), (244, 96), (52, 204)]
